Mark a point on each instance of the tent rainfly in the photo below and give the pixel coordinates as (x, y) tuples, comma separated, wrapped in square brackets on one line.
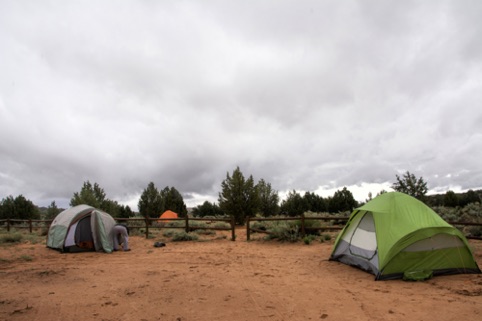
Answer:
[(167, 215), (81, 228), (397, 236)]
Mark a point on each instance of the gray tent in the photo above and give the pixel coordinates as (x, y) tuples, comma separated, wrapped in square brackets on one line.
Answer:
[(81, 228)]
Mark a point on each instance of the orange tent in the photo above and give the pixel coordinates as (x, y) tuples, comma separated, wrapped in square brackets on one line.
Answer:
[(167, 215)]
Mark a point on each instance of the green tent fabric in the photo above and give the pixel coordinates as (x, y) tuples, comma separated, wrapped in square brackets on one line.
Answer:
[(397, 236), (81, 228)]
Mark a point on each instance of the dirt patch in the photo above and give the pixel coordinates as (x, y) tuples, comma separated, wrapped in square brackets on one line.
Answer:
[(220, 280)]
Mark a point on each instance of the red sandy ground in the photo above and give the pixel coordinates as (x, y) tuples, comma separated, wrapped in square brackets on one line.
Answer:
[(220, 280)]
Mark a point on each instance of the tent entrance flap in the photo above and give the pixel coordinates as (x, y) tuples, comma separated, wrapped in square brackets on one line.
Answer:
[(358, 245), (363, 241), (83, 234)]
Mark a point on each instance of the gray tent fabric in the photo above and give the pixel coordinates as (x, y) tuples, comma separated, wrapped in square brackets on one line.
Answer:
[(81, 228)]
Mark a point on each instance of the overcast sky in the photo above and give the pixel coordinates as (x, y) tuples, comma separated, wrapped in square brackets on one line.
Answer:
[(308, 95)]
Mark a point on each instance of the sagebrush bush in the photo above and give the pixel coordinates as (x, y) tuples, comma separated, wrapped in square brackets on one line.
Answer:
[(308, 239), (27, 258), (175, 224), (259, 225), (326, 237), (205, 232), (169, 233), (12, 237), (222, 224), (284, 231), (183, 236)]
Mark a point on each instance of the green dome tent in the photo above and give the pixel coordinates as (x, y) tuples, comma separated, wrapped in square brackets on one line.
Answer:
[(81, 228), (397, 236)]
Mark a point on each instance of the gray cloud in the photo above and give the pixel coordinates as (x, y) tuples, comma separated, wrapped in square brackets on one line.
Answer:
[(308, 96)]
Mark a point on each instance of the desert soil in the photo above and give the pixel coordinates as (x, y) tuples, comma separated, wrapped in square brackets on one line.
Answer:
[(220, 280)]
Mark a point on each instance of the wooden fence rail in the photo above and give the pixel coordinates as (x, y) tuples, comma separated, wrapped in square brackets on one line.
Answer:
[(303, 226), (187, 227), (149, 223), (332, 227)]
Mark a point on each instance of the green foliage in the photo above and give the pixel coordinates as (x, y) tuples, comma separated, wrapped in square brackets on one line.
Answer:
[(451, 199), (150, 203), (153, 202), (198, 224), (205, 232), (286, 231), (342, 201), (27, 258), (475, 231), (268, 199), (52, 211), (450, 214), (472, 212), (12, 237), (183, 236), (172, 200), (207, 209), (315, 203), (94, 195), (18, 208), (259, 225), (294, 204), (410, 185), (89, 194), (310, 224), (7, 207), (222, 225), (125, 212), (169, 233), (469, 197), (238, 197), (326, 237), (175, 223), (308, 239)]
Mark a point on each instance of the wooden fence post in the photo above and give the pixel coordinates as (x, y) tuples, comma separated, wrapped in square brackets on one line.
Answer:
[(8, 225), (247, 229), (147, 228), (303, 224), (30, 225), (187, 224), (233, 230)]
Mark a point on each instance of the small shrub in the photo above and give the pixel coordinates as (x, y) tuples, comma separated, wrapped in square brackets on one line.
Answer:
[(310, 226), (284, 232), (325, 237), (183, 236), (475, 231), (139, 232), (27, 258), (175, 224), (259, 225), (33, 238), (308, 239), (197, 224), (13, 237), (169, 233), (222, 225), (205, 232)]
